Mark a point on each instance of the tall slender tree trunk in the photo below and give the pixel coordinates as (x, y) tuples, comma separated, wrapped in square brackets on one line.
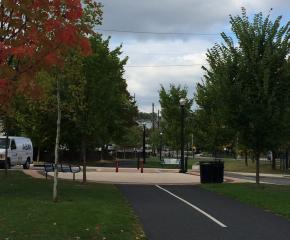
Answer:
[(246, 157), (286, 159), (273, 160), (56, 150), (6, 146), (84, 158), (257, 158), (253, 157), (38, 154)]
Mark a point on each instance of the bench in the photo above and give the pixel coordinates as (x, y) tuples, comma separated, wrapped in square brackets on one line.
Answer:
[(170, 161), (49, 167)]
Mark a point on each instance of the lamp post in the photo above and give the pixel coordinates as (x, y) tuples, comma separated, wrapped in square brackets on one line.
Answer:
[(160, 150), (144, 147), (182, 103)]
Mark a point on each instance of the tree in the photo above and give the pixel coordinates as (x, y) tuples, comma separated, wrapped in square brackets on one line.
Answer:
[(33, 116), (37, 34), (132, 137), (95, 104), (101, 108), (251, 78), (170, 111)]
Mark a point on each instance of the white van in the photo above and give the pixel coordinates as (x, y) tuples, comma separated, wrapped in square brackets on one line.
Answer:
[(20, 151)]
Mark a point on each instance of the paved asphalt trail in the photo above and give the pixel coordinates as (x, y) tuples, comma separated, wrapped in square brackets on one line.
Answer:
[(164, 217)]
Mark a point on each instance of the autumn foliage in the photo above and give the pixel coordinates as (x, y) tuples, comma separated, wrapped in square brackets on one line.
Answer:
[(36, 34)]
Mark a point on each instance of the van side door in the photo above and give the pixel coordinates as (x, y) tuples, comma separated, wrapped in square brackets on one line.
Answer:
[(13, 153)]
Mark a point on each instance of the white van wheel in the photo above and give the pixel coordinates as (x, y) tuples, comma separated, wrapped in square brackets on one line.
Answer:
[(26, 165)]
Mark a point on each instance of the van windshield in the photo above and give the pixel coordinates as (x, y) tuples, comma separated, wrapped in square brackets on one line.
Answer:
[(3, 143)]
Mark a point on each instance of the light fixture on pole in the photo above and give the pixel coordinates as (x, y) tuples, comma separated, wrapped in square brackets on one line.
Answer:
[(144, 146), (182, 103)]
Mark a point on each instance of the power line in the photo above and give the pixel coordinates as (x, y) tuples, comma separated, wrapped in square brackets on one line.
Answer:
[(158, 33), (159, 53), (163, 66)]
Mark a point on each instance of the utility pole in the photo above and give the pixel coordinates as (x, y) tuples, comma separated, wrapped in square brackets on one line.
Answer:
[(153, 127), (158, 120), (153, 117)]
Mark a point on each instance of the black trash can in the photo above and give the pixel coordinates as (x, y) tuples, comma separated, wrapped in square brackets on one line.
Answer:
[(211, 171)]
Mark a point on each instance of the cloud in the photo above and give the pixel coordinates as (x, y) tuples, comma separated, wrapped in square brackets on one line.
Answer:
[(145, 81), (180, 15), (165, 15), (195, 16)]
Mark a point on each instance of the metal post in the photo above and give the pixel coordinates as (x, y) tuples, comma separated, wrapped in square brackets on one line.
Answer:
[(182, 169), (186, 159), (138, 160), (144, 147), (160, 150), (192, 146)]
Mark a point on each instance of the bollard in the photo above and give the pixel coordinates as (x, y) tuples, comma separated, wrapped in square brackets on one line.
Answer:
[(142, 161), (117, 166)]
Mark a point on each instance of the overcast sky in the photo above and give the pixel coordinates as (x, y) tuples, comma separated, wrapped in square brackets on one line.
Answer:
[(206, 18)]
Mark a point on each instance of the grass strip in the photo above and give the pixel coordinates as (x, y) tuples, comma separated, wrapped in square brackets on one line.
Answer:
[(84, 211), (273, 198)]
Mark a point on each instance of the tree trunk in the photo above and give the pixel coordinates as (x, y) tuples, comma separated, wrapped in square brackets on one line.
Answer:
[(84, 158), (38, 155), (273, 160), (257, 158), (253, 157), (6, 146), (246, 158), (56, 150), (286, 160)]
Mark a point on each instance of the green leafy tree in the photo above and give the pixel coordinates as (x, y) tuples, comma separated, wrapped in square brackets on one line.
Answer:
[(171, 115), (33, 116), (132, 138), (251, 76), (95, 104), (100, 106)]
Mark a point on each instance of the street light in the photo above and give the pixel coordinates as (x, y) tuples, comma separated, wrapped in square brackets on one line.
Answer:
[(182, 103), (160, 151)]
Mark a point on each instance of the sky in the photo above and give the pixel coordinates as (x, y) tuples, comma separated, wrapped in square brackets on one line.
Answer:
[(162, 59)]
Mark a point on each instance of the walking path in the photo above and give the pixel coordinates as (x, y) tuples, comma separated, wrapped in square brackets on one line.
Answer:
[(150, 176), (190, 212)]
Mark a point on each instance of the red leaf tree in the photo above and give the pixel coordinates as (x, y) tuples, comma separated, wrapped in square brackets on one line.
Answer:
[(36, 34)]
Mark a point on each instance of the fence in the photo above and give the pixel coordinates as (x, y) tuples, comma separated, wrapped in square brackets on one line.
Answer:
[(92, 156)]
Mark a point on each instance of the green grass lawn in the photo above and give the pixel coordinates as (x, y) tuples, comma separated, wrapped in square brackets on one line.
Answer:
[(270, 197), (154, 162), (233, 165), (90, 211)]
